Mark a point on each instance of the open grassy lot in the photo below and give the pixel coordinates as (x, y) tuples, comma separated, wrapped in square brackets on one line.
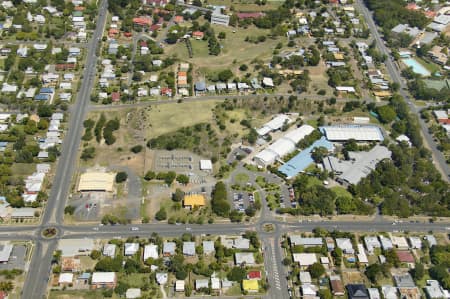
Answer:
[(235, 50), (247, 5), (77, 295)]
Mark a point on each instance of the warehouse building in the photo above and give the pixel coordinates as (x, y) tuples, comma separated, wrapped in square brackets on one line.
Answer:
[(341, 133), (96, 181), (360, 165), (275, 124), (303, 159), (283, 146)]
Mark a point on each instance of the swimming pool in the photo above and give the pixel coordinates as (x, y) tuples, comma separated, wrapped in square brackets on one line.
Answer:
[(416, 66)]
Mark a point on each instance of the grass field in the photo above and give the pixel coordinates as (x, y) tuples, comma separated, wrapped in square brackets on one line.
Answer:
[(88, 294), (247, 5)]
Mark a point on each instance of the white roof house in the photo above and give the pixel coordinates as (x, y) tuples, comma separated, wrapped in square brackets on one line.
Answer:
[(267, 82), (431, 240), (109, 250), (305, 277), (345, 245), (305, 259), (399, 242), (65, 278), (201, 284), (346, 89), (150, 251), (434, 290), (306, 242), (208, 247), (133, 293), (371, 243), (415, 242), (179, 286), (389, 292), (386, 243), (362, 257), (162, 278), (169, 248), (215, 283), (5, 251), (73, 247), (189, 248), (373, 293), (241, 243), (244, 258), (131, 248), (103, 277)]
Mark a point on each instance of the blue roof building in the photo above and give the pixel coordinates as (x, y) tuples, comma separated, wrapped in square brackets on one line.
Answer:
[(41, 97), (47, 90), (303, 159)]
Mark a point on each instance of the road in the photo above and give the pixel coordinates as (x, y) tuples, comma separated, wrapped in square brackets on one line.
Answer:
[(53, 216), (394, 72)]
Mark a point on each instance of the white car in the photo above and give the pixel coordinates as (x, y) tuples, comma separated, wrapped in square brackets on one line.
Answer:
[(134, 228)]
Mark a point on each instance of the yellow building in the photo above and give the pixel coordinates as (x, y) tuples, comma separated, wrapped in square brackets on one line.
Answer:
[(194, 200), (96, 181), (250, 286)]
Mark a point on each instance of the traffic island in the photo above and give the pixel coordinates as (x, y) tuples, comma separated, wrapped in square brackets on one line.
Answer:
[(49, 232)]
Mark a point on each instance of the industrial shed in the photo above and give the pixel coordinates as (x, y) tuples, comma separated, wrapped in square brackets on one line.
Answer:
[(356, 132), (275, 124), (96, 181), (283, 146)]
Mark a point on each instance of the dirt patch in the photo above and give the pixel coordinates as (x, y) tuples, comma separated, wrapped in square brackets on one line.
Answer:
[(353, 277)]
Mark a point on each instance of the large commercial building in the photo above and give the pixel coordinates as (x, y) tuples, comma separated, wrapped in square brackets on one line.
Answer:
[(356, 132), (360, 165), (275, 124), (283, 146), (96, 181)]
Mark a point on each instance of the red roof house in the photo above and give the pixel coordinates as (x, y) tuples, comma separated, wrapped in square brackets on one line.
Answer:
[(3, 295), (128, 34), (412, 6), (155, 27), (444, 121), (165, 91), (198, 34), (143, 21), (254, 275), (113, 32), (143, 43), (178, 19), (405, 257), (115, 96)]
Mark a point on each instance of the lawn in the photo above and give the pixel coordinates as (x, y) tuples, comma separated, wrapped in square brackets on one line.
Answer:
[(241, 178), (247, 5), (88, 294), (341, 192)]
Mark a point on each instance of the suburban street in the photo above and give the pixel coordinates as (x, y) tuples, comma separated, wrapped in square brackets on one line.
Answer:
[(394, 72), (39, 271)]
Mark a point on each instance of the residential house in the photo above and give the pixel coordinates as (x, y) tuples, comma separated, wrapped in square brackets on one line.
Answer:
[(357, 291), (201, 284), (70, 264), (179, 286), (305, 242), (389, 292), (150, 251), (161, 278), (305, 259), (169, 248), (133, 293), (371, 243), (305, 277), (374, 293), (131, 248), (65, 279), (399, 242), (386, 243), (415, 242), (345, 244), (104, 280), (337, 287), (250, 286), (189, 248), (434, 290), (109, 250), (208, 247), (405, 257), (244, 258)]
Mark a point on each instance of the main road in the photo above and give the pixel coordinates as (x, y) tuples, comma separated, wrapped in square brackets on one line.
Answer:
[(40, 266), (394, 72)]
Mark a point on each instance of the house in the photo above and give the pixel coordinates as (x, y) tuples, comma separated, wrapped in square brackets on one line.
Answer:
[(330, 243), (389, 292), (192, 201), (268, 82), (434, 290), (374, 293), (133, 293), (179, 286), (305, 277), (431, 240), (115, 96), (371, 243), (178, 19), (409, 293), (143, 21), (250, 286), (405, 257), (345, 245), (415, 242), (5, 251), (208, 247), (337, 288), (104, 280), (399, 242), (254, 275), (305, 242), (131, 248), (362, 257), (220, 19), (70, 264), (324, 261), (201, 284), (189, 248), (65, 279), (241, 243), (150, 251), (357, 291), (161, 278), (215, 283), (206, 164), (109, 250), (404, 281), (308, 290), (198, 35), (169, 248), (386, 243), (165, 91), (246, 258), (305, 259)]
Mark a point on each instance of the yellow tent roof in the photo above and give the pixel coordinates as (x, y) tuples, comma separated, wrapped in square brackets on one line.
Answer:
[(250, 285), (96, 181), (194, 200)]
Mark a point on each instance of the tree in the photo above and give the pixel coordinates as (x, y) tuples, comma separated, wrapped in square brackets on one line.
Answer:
[(150, 175), (319, 153), (96, 254), (137, 148), (183, 179), (387, 114), (225, 75), (237, 274), (373, 272), (316, 270), (243, 67), (221, 35), (121, 288), (418, 272), (121, 177), (161, 214), (178, 195), (325, 294), (69, 210)]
